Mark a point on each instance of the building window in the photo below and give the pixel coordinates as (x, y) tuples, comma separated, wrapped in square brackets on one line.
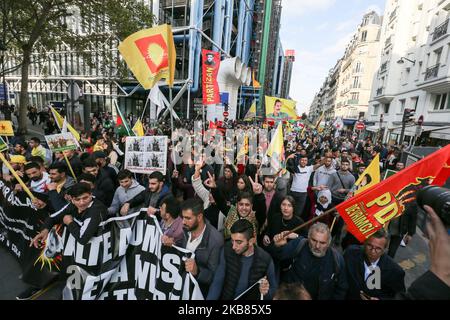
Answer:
[(402, 105), (414, 102), (440, 102), (386, 108), (364, 36), (356, 83), (376, 108)]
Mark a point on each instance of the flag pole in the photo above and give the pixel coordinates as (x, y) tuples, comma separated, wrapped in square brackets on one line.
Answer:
[(10, 168), (70, 167), (307, 223)]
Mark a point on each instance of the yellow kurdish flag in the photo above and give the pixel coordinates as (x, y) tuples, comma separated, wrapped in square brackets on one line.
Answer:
[(276, 149), (150, 54), (251, 114), (60, 122), (6, 128), (244, 148), (138, 128), (370, 177), (280, 109)]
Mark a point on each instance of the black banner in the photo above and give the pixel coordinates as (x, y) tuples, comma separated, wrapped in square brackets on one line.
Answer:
[(20, 221), (126, 260)]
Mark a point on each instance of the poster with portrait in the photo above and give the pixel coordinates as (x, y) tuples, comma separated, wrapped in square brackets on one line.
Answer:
[(278, 109), (61, 142), (146, 154)]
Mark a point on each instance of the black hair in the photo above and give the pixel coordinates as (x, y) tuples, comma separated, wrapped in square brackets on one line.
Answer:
[(89, 163), (87, 177), (243, 226), (60, 167), (31, 165), (124, 174), (193, 204), (156, 175), (245, 195), (172, 206), (36, 159), (79, 188), (380, 233), (345, 159), (36, 139), (268, 176), (290, 199)]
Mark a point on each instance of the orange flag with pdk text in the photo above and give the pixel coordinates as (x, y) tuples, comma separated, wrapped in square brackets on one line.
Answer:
[(150, 54), (368, 211)]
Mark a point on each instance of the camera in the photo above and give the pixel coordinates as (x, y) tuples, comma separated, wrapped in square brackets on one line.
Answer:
[(439, 199)]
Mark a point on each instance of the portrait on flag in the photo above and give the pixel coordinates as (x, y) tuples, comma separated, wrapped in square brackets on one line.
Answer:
[(211, 64), (146, 154), (61, 142), (280, 109)]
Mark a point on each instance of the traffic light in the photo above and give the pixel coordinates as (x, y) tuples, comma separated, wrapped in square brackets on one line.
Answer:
[(408, 115)]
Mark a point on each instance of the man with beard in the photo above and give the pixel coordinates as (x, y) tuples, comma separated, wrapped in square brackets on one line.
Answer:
[(242, 265), (104, 186), (150, 198), (317, 265), (204, 240), (39, 179), (60, 184)]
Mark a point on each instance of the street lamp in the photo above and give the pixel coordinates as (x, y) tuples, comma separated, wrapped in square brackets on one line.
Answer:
[(402, 60)]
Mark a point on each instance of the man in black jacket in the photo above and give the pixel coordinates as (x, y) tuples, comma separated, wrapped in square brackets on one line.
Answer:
[(318, 266), (104, 186), (150, 198), (371, 273), (242, 265), (82, 217), (202, 239)]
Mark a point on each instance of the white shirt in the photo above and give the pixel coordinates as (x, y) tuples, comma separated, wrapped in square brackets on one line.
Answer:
[(301, 179), (41, 185), (192, 245), (369, 269)]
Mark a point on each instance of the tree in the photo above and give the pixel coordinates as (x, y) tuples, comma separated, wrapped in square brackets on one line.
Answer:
[(30, 25)]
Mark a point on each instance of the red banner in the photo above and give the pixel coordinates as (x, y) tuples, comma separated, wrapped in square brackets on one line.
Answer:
[(211, 63), (368, 211)]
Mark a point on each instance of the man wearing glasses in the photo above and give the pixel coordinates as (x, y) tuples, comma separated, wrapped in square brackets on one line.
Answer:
[(371, 273)]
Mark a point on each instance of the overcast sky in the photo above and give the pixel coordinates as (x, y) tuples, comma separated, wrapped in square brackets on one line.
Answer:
[(319, 31)]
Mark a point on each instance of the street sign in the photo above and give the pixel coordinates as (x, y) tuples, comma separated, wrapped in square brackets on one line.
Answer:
[(360, 126), (226, 114)]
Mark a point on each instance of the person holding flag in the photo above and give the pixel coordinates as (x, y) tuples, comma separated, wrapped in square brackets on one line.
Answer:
[(245, 271)]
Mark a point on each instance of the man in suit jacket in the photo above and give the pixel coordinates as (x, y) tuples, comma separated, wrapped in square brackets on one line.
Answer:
[(371, 273)]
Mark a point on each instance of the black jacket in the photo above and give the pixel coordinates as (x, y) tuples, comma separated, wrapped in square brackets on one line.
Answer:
[(85, 224), (207, 256), (427, 287), (392, 275), (104, 188)]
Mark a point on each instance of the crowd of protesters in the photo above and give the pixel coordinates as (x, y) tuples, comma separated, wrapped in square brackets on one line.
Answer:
[(236, 219)]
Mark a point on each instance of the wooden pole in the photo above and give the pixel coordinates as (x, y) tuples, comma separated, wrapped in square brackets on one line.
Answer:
[(24, 186), (307, 223)]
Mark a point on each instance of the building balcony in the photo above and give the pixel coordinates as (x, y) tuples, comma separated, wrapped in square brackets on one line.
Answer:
[(440, 31), (436, 79), (382, 97), (432, 72)]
